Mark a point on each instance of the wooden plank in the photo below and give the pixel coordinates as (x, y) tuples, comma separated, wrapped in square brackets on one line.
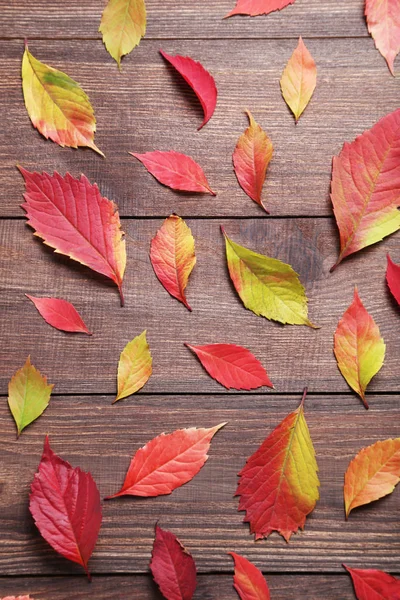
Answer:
[(209, 587), (148, 107), (293, 355), (91, 433), (167, 20)]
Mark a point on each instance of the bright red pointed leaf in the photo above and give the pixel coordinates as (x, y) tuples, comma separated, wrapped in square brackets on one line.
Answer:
[(60, 314), (383, 20), (248, 581), (258, 7), (370, 584), (199, 79), (167, 462), (177, 171), (65, 504), (393, 278), (172, 566), (71, 216), (232, 366)]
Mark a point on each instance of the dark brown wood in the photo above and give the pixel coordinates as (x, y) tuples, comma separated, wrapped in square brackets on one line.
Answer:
[(149, 107), (91, 433)]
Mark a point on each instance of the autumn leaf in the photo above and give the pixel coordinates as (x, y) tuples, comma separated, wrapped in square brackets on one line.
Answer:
[(173, 257), (57, 106), (299, 79), (248, 581), (383, 20), (172, 566), (232, 366), (258, 7), (370, 584), (71, 216), (278, 486), (199, 79), (372, 474), (393, 278), (60, 314), (175, 170), (65, 504), (134, 367), (28, 395), (359, 347), (251, 158), (365, 187), (167, 462), (17, 598), (267, 286), (123, 24)]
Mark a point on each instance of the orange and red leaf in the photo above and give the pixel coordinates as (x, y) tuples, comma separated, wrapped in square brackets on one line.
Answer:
[(248, 581), (370, 584), (299, 79)]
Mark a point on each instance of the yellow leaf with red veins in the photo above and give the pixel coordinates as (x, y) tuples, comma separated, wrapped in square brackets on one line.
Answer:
[(299, 79), (383, 20), (372, 474), (123, 24), (57, 106), (134, 367), (359, 347)]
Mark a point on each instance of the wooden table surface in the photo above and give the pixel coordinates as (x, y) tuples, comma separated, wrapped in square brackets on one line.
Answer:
[(146, 107)]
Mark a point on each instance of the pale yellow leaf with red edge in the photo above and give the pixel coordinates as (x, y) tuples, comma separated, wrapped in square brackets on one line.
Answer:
[(358, 346), (279, 484), (57, 105), (28, 395), (372, 474), (299, 79), (134, 367), (123, 24), (365, 187), (383, 20), (251, 158), (173, 257), (248, 581)]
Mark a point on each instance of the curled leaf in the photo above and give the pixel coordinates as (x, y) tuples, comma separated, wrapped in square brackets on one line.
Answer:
[(134, 367), (299, 79), (123, 24), (60, 314)]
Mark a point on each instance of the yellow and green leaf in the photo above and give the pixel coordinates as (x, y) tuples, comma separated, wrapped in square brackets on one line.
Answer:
[(134, 367), (123, 24), (299, 80)]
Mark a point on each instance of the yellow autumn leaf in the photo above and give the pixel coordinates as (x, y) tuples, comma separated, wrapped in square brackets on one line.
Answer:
[(299, 80), (123, 24), (134, 367)]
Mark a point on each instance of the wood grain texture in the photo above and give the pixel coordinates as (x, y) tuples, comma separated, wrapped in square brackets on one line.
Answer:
[(149, 107), (292, 355), (171, 19), (89, 432)]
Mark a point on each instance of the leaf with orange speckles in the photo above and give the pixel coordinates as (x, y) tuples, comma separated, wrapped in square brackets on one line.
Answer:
[(299, 79), (248, 581)]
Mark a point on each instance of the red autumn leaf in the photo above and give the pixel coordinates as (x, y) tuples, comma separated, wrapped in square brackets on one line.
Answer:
[(370, 584), (199, 79), (65, 504), (175, 170), (60, 314), (393, 278), (258, 7), (383, 20), (17, 598), (248, 581), (232, 366), (172, 566), (167, 462)]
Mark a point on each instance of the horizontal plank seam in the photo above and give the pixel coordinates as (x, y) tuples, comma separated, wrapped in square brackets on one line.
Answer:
[(172, 39), (227, 394), (196, 217), (199, 574)]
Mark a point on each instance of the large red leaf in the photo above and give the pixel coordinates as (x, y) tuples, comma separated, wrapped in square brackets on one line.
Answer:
[(258, 7), (383, 20), (65, 504), (393, 278), (60, 314), (177, 171), (71, 216), (370, 584), (248, 581), (167, 462), (199, 79), (172, 566), (232, 366)]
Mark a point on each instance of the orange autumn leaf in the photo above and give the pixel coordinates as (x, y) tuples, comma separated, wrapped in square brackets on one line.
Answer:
[(248, 581), (251, 158), (134, 367), (299, 79), (359, 347), (372, 474), (383, 20)]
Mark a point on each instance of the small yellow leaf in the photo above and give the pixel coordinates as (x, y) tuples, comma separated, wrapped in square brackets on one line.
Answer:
[(123, 24), (134, 367), (299, 80)]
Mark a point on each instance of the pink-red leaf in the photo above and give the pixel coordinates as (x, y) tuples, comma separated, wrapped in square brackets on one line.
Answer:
[(248, 581), (71, 216), (232, 366), (60, 314), (172, 566), (199, 79), (383, 20), (167, 462), (370, 584), (17, 598), (393, 278), (65, 504), (253, 8), (177, 171)]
